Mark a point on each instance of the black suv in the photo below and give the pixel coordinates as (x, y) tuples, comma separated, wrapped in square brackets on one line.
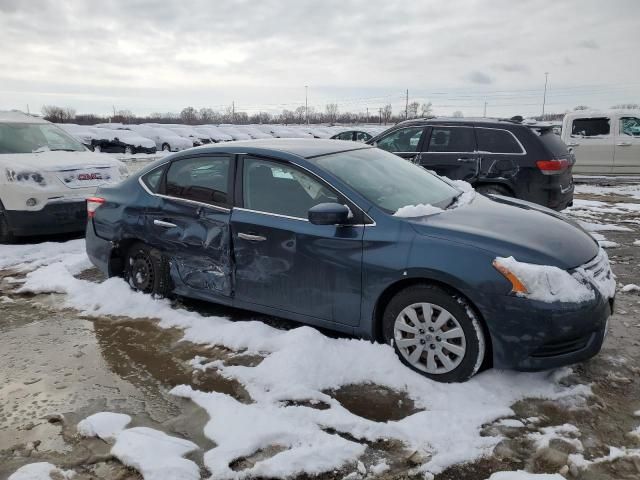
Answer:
[(503, 157)]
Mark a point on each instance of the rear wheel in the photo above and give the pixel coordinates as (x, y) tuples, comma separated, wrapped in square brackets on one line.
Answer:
[(147, 270), (166, 147), (434, 333), (97, 148), (494, 189)]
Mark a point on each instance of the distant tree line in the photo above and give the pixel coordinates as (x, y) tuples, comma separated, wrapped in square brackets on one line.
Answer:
[(192, 116)]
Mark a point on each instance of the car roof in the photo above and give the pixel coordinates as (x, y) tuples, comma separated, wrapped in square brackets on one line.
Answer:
[(14, 116), (301, 147)]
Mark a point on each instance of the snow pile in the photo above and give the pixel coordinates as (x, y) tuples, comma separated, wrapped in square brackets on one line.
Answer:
[(40, 471), (602, 227), (302, 364), (105, 425), (425, 209), (627, 190), (636, 243), (522, 475), (615, 453), (631, 287), (156, 455), (566, 432), (546, 283), (415, 211)]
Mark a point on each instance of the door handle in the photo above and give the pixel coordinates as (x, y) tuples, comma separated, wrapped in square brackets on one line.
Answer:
[(624, 144), (162, 223), (466, 160), (252, 238), (573, 144)]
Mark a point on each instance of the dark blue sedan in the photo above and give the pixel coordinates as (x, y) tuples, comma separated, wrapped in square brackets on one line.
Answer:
[(351, 238)]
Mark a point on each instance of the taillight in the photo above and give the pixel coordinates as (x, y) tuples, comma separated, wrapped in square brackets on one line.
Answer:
[(93, 204), (553, 167)]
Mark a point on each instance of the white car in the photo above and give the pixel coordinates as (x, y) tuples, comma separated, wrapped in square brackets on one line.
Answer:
[(164, 138), (234, 132), (46, 176), (215, 133), (604, 142), (253, 132), (122, 141), (197, 138)]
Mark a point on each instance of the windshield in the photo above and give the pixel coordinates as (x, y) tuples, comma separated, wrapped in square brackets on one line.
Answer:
[(35, 137), (387, 180)]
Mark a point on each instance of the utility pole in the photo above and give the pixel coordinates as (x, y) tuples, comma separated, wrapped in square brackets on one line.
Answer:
[(367, 120), (406, 108), (380, 113), (544, 97), (306, 103), (485, 109)]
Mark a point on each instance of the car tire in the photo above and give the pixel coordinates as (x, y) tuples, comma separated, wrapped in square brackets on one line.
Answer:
[(166, 147), (129, 151), (494, 189), (97, 148), (5, 232), (434, 333), (147, 270)]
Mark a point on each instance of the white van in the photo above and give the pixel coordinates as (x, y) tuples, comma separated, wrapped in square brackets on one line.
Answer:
[(604, 142), (46, 176)]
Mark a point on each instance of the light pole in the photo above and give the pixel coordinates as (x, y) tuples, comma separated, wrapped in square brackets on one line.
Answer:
[(544, 97), (306, 103)]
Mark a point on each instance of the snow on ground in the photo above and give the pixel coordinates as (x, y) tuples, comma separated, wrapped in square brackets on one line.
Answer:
[(625, 190), (300, 364), (631, 287), (522, 475), (156, 455), (40, 471), (105, 425)]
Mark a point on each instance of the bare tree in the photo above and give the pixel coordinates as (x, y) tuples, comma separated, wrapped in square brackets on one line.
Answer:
[(626, 106), (386, 113), (207, 115), (457, 114), (58, 114), (426, 110), (412, 110), (124, 116), (331, 111), (189, 115)]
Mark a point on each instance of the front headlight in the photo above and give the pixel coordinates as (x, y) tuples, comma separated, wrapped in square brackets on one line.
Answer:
[(24, 176)]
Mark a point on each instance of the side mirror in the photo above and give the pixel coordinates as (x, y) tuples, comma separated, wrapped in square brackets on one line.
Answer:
[(329, 214)]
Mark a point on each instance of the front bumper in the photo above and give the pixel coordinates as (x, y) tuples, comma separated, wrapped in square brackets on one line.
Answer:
[(529, 335), (64, 217)]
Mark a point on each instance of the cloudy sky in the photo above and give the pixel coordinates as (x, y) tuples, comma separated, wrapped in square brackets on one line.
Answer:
[(158, 56)]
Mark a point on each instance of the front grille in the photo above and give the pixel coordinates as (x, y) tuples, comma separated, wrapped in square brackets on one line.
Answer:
[(561, 348)]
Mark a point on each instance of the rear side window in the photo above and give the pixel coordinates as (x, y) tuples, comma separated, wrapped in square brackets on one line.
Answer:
[(452, 139), (553, 143), (591, 127), (201, 179), (153, 178), (630, 126), (497, 141), (362, 136), (403, 140)]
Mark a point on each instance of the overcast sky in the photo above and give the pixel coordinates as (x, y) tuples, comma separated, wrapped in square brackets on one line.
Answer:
[(157, 56)]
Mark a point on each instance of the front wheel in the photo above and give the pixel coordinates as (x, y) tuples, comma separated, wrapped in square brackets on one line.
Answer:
[(166, 147), (97, 148), (146, 270), (5, 233), (434, 333)]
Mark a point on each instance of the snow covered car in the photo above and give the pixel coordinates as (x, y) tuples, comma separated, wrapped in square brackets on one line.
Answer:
[(351, 238), (234, 132), (45, 177), (164, 138), (121, 141), (214, 133), (197, 138)]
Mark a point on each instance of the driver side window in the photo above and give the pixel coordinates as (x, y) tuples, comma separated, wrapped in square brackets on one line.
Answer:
[(403, 140), (280, 189)]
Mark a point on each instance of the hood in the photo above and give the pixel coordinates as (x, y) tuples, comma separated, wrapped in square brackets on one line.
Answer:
[(55, 161), (509, 227)]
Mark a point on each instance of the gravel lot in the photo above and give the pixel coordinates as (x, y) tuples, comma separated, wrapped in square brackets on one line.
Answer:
[(61, 364)]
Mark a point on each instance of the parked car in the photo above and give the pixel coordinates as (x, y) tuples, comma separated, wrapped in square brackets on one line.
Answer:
[(253, 132), (121, 141), (604, 142), (352, 238), (355, 135), (501, 157), (197, 138), (45, 177), (234, 132), (214, 133), (165, 139), (95, 139)]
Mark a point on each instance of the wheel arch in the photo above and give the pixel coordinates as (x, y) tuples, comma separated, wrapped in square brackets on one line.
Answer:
[(391, 290), (118, 253), (495, 181)]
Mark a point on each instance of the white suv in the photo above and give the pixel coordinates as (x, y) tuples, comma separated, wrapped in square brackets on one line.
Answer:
[(46, 176)]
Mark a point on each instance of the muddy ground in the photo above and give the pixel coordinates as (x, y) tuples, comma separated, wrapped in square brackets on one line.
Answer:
[(58, 367)]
